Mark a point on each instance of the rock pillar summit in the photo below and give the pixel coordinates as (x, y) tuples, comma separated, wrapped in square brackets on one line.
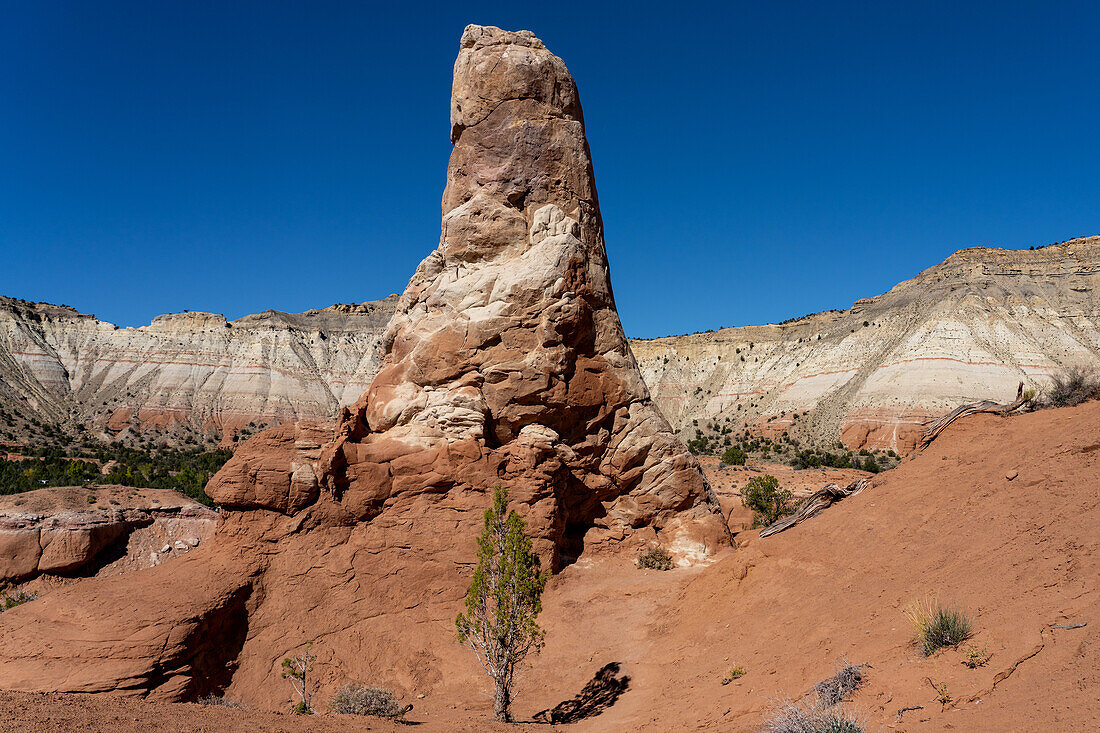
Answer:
[(505, 361), (504, 364)]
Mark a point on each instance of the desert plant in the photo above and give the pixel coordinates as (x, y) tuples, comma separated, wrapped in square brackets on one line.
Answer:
[(734, 674), (218, 700), (973, 657), (766, 499), (734, 456), (1072, 386), (937, 627), (846, 681), (943, 695), (297, 669), (655, 559), (364, 700), (794, 718), (504, 601), (19, 600)]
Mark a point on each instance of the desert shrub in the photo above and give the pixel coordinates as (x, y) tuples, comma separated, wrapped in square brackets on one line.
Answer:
[(794, 718), (937, 627), (846, 681), (183, 470), (975, 657), (735, 673), (1072, 387), (219, 701), (656, 558), (764, 497), (809, 458), (364, 700), (734, 456)]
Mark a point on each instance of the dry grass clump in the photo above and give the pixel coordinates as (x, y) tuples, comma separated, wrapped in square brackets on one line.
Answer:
[(655, 559), (364, 700), (734, 674), (219, 701), (937, 627), (842, 684), (1072, 387), (794, 718)]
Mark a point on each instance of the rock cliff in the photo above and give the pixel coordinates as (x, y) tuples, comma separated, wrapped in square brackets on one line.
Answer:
[(969, 328), (186, 372), (72, 530)]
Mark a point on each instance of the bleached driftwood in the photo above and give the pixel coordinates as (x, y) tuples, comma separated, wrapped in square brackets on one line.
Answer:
[(815, 502), (937, 427)]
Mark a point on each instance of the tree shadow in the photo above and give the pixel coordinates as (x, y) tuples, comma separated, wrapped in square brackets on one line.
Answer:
[(598, 695)]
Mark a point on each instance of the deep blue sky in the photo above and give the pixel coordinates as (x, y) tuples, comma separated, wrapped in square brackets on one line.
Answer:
[(755, 161)]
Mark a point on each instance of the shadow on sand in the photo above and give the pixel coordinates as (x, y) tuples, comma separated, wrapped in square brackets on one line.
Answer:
[(598, 695)]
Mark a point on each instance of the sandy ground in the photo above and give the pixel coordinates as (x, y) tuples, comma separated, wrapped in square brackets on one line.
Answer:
[(728, 481), (1000, 516)]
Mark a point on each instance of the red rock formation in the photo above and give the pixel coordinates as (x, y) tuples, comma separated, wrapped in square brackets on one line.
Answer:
[(505, 363), (58, 531)]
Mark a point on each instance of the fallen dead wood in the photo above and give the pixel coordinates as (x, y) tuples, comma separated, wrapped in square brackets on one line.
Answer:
[(1006, 673), (833, 493), (937, 427), (815, 502)]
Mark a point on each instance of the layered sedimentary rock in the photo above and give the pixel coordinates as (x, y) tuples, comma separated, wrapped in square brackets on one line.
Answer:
[(192, 372), (505, 364), (968, 329)]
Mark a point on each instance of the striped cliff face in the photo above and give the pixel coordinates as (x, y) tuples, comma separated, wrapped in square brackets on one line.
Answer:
[(970, 328), (188, 371)]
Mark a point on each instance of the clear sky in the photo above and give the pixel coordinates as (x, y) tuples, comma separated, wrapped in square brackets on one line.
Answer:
[(755, 161)]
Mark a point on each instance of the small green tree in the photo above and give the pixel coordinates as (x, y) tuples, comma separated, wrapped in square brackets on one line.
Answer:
[(296, 669), (504, 600), (734, 456), (764, 497)]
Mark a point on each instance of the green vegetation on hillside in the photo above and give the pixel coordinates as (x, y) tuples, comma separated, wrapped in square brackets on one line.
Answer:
[(768, 501), (718, 438), (182, 470)]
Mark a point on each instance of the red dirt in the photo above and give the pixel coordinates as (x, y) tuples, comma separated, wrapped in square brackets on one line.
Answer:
[(727, 482), (1018, 555)]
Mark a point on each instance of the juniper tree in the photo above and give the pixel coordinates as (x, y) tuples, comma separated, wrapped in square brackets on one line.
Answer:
[(504, 601), (296, 669)]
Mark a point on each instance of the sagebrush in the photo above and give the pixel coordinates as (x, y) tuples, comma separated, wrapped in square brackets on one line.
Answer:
[(795, 718), (656, 558), (1072, 387), (846, 681), (366, 700)]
